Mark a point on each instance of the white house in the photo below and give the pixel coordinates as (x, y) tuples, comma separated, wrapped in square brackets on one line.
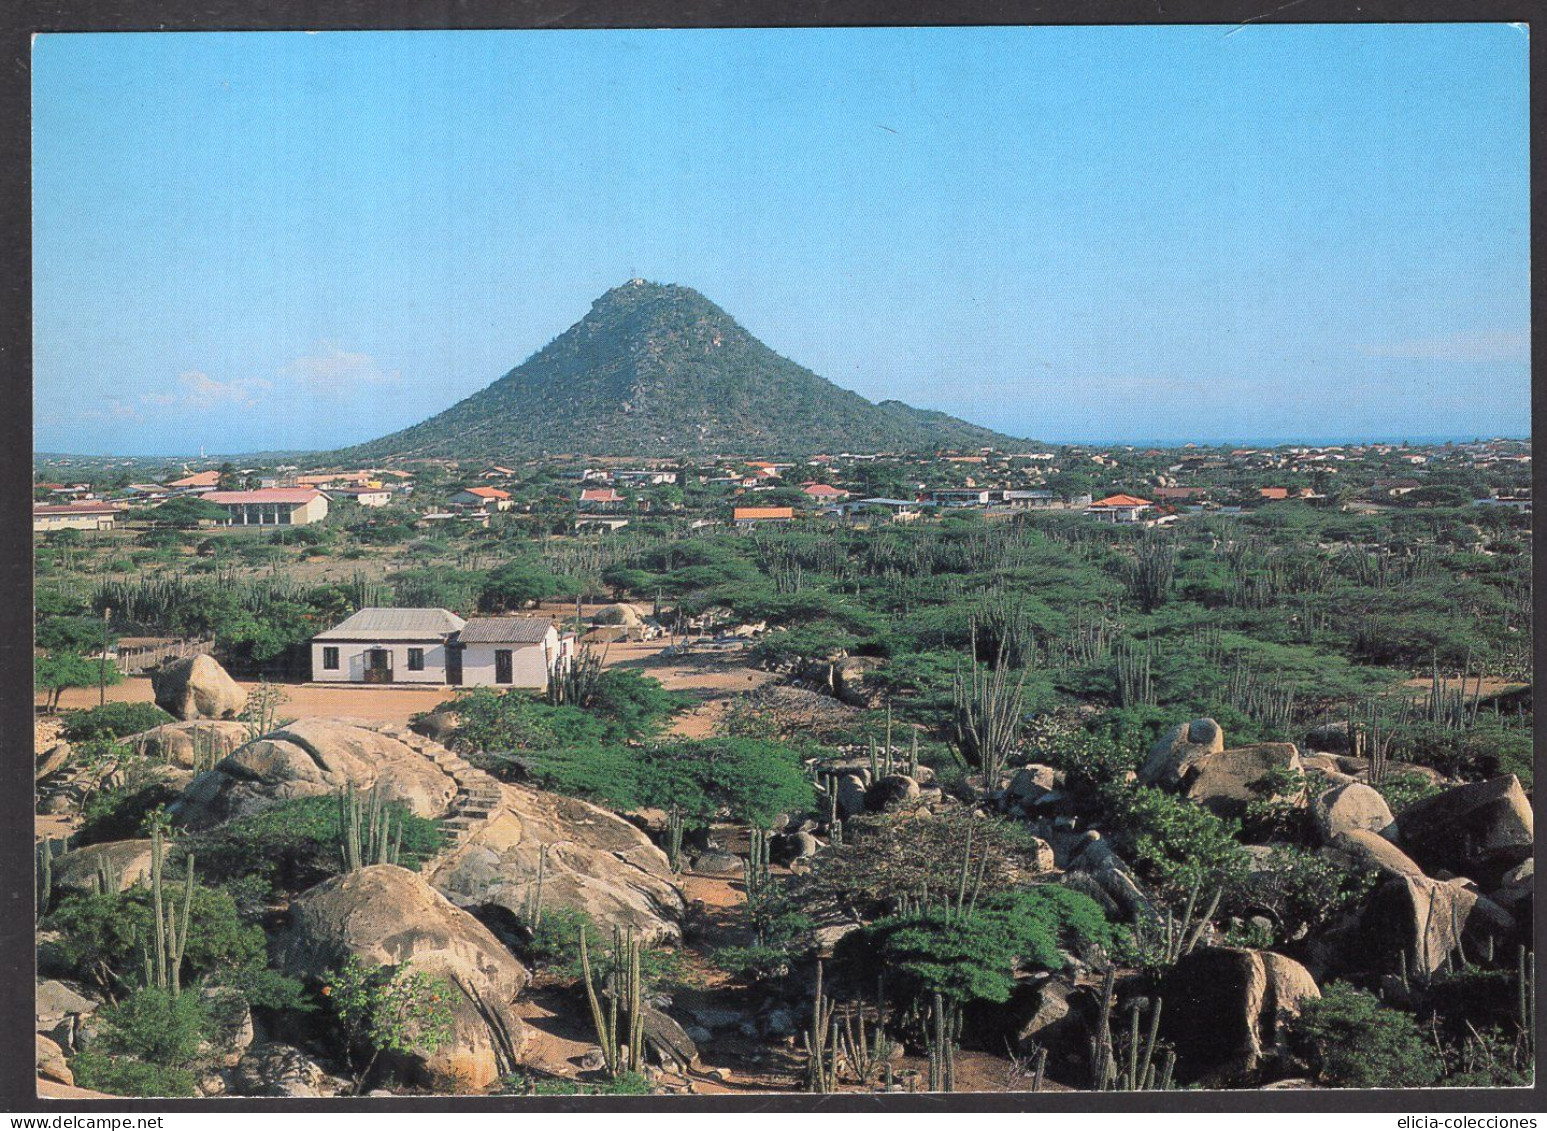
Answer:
[(1119, 508), (389, 646), (435, 646), (512, 651), (74, 516), (278, 506), (364, 496)]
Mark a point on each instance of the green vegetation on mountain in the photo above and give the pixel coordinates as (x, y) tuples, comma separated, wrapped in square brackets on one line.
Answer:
[(659, 370)]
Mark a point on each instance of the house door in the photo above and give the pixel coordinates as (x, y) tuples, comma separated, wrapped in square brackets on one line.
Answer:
[(378, 666), (503, 668), (454, 665)]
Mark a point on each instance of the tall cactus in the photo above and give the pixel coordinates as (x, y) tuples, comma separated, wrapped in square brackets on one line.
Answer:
[(674, 830), (987, 714), (163, 966), (367, 832), (821, 1043), (942, 1035), (622, 1049), (534, 894), (45, 876), (1132, 1067)]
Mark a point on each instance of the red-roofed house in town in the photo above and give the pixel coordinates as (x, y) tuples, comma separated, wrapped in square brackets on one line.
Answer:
[(1119, 508), (74, 516), (599, 499), (823, 493), (199, 481), (275, 506), (752, 516), (482, 498)]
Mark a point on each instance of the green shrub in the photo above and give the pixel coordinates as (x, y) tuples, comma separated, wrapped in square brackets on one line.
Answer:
[(295, 844), (104, 938), (973, 954), (129, 1076), (1351, 1040), (146, 1045), (525, 1084), (112, 720)]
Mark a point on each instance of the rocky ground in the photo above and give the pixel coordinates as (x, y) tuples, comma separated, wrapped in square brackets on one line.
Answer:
[(1454, 876)]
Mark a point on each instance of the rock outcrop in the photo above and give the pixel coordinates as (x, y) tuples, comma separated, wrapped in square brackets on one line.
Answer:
[(1347, 808), (187, 744), (197, 688), (597, 863), (1480, 830), (1227, 782), (389, 916), (1426, 920), (311, 758), (1360, 848), (119, 863), (1177, 749), (1246, 996)]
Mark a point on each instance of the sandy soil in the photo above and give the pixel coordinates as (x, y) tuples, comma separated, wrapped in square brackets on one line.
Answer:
[(305, 700), (714, 679)]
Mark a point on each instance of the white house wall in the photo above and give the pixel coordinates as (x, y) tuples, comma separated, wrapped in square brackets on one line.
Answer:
[(528, 663), (351, 662)]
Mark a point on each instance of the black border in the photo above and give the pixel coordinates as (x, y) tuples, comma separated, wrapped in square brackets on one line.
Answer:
[(20, 19)]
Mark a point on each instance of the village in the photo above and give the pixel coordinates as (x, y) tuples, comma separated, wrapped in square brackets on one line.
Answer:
[(770, 686)]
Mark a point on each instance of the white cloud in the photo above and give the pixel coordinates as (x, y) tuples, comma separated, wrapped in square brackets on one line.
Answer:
[(331, 365)]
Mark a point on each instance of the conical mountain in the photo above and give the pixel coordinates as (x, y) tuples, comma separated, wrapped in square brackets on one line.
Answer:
[(659, 370)]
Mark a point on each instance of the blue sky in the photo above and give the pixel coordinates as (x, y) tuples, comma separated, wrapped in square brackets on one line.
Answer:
[(262, 241)]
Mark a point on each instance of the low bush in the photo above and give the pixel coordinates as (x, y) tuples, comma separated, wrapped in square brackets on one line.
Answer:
[(1351, 1040), (112, 720)]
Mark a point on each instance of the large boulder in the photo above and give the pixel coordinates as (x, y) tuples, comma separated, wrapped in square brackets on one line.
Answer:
[(1480, 830), (1246, 997), (1178, 749), (197, 688), (311, 758), (1227, 782), (120, 864), (896, 791), (1362, 849), (388, 916), (1346, 808), (620, 614), (597, 863), (1045, 1015), (51, 1062), (192, 744), (271, 1069), (62, 1012), (1427, 920), (51, 760)]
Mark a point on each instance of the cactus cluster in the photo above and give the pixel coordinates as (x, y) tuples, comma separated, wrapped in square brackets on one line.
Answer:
[(821, 1043), (942, 1038), (164, 962), (367, 832), (620, 1025), (1131, 1067), (987, 714)]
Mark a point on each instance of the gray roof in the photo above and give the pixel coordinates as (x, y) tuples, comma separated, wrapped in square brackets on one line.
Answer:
[(505, 630), (395, 624)]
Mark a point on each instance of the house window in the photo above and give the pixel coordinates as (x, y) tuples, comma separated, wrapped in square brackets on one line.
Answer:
[(416, 659), (330, 659)]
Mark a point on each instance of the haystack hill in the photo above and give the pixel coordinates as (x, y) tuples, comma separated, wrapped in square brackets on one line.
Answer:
[(659, 370)]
